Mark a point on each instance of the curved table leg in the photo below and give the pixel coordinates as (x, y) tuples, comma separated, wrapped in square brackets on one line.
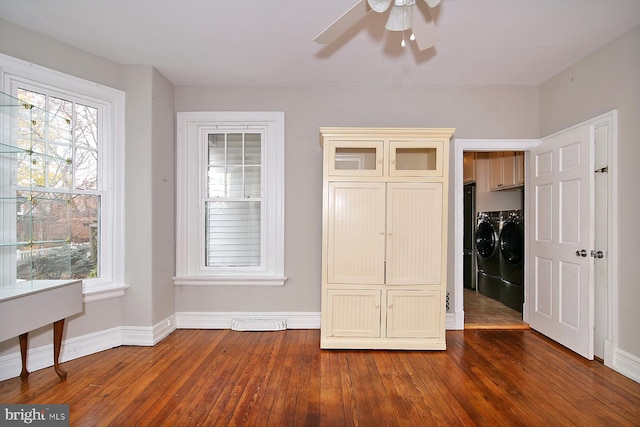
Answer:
[(23, 354), (58, 328)]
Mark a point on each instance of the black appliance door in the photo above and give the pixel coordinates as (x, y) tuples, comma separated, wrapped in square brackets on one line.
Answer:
[(512, 242), (469, 216), (469, 269), (485, 239)]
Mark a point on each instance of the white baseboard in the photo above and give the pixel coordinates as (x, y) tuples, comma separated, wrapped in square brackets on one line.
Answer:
[(222, 320), (295, 320), (627, 364), (148, 335), (73, 348), (454, 321)]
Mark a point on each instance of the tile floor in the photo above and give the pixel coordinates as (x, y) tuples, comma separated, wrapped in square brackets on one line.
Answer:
[(481, 312)]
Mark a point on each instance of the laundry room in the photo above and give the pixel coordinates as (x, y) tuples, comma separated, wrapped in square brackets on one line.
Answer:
[(494, 239)]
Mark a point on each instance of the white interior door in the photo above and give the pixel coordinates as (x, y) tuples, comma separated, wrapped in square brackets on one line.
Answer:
[(560, 281)]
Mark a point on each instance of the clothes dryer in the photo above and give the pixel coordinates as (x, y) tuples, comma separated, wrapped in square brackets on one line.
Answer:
[(511, 249), (488, 253)]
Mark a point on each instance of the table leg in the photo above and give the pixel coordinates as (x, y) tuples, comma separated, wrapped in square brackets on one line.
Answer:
[(23, 354), (58, 328)]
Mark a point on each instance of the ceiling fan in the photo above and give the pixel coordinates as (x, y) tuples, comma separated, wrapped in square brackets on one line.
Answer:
[(403, 15)]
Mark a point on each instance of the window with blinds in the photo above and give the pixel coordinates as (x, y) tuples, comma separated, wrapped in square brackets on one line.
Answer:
[(230, 198), (233, 200)]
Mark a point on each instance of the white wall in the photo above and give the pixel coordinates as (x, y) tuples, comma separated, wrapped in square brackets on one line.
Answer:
[(605, 80), (482, 112), (163, 201)]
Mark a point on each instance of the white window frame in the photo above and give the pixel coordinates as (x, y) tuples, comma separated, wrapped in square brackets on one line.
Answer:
[(13, 73), (192, 130)]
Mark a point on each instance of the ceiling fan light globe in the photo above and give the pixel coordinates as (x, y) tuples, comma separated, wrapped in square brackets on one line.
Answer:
[(379, 5), (432, 3)]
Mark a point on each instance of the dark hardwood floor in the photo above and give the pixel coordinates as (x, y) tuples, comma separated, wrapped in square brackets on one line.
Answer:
[(222, 377)]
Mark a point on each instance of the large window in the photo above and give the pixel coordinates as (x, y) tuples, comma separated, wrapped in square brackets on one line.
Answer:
[(82, 123), (230, 199), (68, 130)]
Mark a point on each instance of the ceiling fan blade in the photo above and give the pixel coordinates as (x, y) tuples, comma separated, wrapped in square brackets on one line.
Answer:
[(379, 5), (432, 3), (424, 28), (343, 23), (399, 18)]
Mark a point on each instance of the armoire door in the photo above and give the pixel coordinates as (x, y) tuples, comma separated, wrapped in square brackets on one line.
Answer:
[(356, 232), (414, 314), (414, 233)]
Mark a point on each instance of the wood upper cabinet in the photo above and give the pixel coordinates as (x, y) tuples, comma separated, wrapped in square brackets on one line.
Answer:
[(506, 170), (469, 167), (384, 238), (519, 168)]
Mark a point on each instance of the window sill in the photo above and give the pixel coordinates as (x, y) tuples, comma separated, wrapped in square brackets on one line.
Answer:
[(107, 291), (229, 281)]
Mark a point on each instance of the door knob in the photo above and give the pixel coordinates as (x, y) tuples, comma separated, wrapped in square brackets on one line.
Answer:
[(597, 254), (582, 253)]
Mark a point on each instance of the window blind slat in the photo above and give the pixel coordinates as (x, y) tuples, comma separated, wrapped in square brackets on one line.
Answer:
[(233, 233)]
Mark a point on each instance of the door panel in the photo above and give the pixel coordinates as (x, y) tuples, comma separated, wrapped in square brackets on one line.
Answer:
[(561, 281), (414, 233), (414, 314), (353, 313), (356, 233), (542, 286)]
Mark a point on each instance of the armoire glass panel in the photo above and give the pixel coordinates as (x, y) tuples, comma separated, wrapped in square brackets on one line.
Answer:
[(355, 158), (416, 158)]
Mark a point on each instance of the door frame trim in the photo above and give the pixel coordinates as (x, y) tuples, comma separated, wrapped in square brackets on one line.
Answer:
[(456, 252)]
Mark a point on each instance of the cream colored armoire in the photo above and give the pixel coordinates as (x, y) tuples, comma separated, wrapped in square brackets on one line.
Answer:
[(384, 237)]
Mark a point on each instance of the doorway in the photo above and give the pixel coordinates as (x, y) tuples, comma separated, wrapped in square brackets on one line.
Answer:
[(604, 125), (456, 313), (493, 236)]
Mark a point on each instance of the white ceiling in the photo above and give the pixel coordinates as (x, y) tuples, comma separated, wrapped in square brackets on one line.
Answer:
[(270, 43)]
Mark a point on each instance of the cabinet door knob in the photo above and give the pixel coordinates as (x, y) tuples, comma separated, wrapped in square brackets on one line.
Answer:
[(379, 160)]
